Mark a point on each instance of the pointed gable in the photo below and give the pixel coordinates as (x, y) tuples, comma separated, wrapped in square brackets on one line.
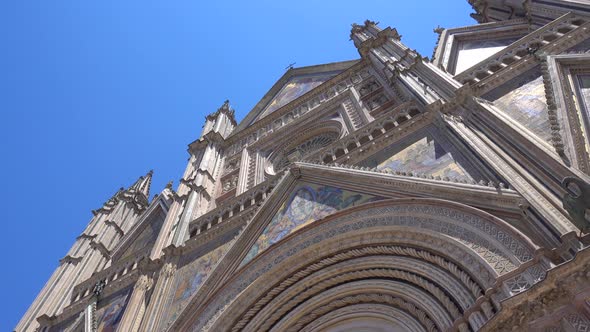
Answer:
[(425, 152), (523, 99), (143, 236), (459, 49), (296, 87), (307, 203), (295, 83), (148, 235)]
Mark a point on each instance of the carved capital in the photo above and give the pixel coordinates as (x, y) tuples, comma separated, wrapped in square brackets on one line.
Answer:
[(144, 283), (168, 270)]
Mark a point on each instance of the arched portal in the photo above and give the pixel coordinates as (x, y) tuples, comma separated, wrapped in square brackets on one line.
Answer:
[(403, 264)]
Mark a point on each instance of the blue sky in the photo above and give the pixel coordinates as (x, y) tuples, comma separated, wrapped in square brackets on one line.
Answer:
[(94, 94)]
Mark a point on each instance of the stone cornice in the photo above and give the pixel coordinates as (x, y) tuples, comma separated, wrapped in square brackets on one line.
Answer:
[(448, 39), (229, 204), (484, 78), (209, 138), (400, 126), (489, 196), (101, 248), (116, 276)]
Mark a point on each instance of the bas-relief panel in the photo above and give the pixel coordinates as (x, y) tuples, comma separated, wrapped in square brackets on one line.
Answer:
[(526, 104), (306, 204), (470, 53), (147, 236), (420, 155), (295, 88), (108, 316), (189, 278)]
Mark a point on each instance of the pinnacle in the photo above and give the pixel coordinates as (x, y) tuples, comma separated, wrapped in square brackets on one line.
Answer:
[(142, 185)]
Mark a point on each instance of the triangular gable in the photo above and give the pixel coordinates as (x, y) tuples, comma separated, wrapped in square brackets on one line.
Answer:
[(307, 203), (461, 48), (308, 193), (425, 152), (295, 87), (144, 234), (292, 85), (523, 99)]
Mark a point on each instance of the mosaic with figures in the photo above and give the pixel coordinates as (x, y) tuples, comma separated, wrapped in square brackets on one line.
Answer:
[(189, 279), (421, 154), (296, 87), (526, 104), (108, 316), (306, 204)]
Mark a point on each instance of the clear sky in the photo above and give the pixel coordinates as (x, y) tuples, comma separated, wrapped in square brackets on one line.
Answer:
[(94, 94)]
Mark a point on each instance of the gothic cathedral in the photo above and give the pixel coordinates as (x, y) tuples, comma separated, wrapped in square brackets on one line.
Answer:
[(390, 193)]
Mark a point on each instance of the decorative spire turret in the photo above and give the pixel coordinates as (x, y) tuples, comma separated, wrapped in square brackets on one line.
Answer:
[(142, 185), (360, 33), (139, 192), (222, 121)]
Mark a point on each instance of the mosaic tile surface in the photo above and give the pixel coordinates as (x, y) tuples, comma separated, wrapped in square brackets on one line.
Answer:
[(306, 204)]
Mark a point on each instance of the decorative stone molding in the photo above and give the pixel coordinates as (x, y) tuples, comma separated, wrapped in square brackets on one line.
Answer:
[(144, 283), (414, 312), (526, 53), (296, 109), (559, 73), (549, 301), (358, 311), (247, 276)]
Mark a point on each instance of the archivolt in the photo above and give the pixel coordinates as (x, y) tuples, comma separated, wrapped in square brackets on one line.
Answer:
[(395, 311), (440, 258)]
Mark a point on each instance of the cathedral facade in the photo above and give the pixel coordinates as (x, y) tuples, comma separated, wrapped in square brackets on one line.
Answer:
[(390, 193)]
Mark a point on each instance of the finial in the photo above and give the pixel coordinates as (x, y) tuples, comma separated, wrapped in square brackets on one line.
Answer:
[(438, 29), (169, 184), (142, 185), (369, 22)]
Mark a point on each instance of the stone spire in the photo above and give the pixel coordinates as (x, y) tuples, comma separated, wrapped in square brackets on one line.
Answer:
[(361, 33), (142, 185), (91, 251), (222, 121), (139, 192)]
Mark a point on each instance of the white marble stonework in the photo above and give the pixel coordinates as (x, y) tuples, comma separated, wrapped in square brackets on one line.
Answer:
[(394, 192)]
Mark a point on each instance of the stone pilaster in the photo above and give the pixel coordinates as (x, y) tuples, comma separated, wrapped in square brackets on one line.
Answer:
[(136, 305), (156, 306), (199, 185)]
